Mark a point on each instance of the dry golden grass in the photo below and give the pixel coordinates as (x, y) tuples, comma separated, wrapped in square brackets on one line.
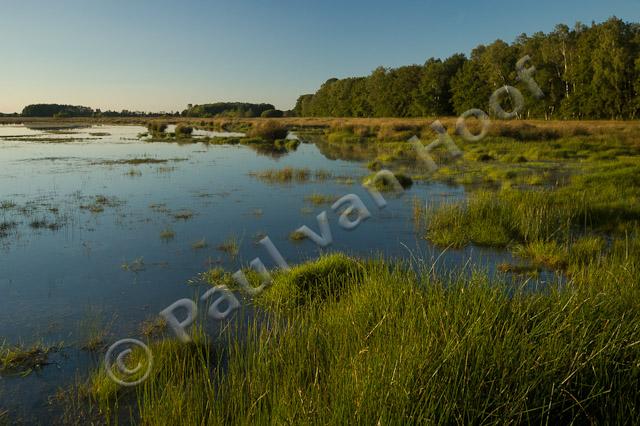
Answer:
[(359, 125)]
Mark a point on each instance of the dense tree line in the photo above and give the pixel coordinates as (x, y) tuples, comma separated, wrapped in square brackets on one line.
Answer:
[(56, 110), (227, 109), (584, 72)]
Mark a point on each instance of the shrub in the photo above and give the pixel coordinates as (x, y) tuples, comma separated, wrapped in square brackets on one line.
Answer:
[(184, 131), (269, 130), (156, 128)]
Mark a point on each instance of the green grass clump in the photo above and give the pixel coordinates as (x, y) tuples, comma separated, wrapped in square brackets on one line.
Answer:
[(218, 276), (323, 278), (549, 254), (484, 219)]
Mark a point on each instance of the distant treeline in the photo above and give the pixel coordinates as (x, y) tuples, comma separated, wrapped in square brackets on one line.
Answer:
[(232, 109), (57, 110), (220, 109), (584, 72)]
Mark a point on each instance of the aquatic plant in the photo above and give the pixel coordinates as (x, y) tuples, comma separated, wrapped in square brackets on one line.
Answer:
[(25, 359), (183, 214), (231, 246), (167, 234), (6, 227), (137, 265), (199, 245), (45, 224), (297, 236), (285, 175), (319, 199)]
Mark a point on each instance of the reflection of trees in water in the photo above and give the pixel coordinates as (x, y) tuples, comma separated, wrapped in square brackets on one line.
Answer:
[(273, 149), (55, 126), (356, 151)]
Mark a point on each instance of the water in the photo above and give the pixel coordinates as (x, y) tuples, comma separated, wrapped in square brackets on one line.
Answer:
[(79, 213)]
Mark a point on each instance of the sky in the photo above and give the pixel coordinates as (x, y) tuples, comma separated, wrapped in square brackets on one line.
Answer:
[(162, 55)]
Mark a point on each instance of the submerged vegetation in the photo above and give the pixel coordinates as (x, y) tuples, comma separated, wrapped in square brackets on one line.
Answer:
[(167, 234), (24, 359), (285, 175)]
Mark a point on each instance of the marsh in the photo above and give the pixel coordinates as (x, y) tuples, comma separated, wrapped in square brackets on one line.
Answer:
[(73, 216)]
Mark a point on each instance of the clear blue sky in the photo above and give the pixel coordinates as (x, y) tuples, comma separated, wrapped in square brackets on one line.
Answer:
[(161, 55)]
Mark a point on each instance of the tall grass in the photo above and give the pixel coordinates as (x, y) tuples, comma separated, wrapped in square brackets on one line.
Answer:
[(605, 198), (388, 346)]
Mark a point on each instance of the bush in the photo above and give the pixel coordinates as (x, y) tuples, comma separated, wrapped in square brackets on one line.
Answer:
[(156, 128), (184, 131), (272, 113), (269, 130)]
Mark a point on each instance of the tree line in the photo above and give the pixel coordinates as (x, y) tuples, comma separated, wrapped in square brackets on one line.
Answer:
[(231, 109), (219, 109), (62, 111), (584, 72)]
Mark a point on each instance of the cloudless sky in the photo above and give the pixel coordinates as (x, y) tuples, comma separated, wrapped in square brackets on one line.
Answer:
[(162, 55)]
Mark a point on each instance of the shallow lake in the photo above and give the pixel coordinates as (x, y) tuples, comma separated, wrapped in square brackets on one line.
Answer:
[(92, 239)]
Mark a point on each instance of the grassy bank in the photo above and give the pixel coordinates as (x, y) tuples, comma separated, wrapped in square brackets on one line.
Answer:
[(368, 342)]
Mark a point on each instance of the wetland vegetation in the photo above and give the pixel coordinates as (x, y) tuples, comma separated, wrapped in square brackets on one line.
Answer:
[(376, 339)]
